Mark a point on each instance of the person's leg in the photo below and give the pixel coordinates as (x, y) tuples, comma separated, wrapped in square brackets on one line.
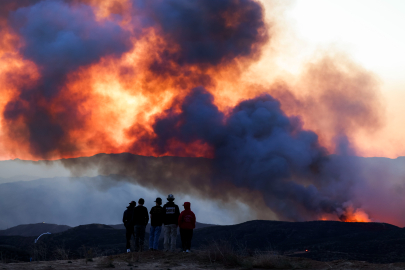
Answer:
[(190, 237), (137, 236), (158, 229), (167, 237), (142, 237), (173, 236), (128, 235), (183, 239), (152, 236), (186, 235)]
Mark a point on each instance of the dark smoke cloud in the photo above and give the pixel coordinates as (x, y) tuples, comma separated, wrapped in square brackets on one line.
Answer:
[(206, 32), (11, 5), (256, 147), (262, 157), (59, 38)]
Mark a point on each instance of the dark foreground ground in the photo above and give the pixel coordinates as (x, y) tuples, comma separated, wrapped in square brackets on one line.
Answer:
[(196, 260), (323, 241)]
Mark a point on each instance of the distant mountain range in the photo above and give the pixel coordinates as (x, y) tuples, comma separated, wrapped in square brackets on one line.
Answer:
[(18, 178), (320, 240), (39, 228), (34, 229)]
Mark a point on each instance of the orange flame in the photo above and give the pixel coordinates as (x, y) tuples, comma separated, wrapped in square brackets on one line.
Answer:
[(355, 215)]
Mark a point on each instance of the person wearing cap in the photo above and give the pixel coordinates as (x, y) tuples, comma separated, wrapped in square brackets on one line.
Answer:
[(171, 215), (187, 224), (128, 220), (141, 219), (156, 221)]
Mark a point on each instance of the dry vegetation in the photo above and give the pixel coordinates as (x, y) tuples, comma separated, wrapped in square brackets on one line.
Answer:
[(217, 255)]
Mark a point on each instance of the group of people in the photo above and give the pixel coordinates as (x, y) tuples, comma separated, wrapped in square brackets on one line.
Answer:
[(136, 218)]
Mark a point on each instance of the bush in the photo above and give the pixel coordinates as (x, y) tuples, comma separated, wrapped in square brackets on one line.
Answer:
[(222, 253), (270, 261)]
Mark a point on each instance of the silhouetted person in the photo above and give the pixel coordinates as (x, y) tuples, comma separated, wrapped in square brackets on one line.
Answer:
[(187, 224), (128, 220), (141, 219), (156, 221), (171, 218)]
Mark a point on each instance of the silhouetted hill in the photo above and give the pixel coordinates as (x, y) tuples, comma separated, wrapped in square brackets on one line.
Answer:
[(34, 229), (76, 242), (324, 240), (102, 239)]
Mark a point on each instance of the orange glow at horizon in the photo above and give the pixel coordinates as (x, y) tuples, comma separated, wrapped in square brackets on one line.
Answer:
[(357, 215), (350, 215)]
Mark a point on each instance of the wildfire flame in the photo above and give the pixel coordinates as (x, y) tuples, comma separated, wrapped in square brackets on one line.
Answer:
[(355, 215)]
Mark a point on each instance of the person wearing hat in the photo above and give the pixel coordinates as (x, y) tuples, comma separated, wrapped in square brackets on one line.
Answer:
[(141, 219), (128, 220), (171, 214), (156, 221), (187, 224)]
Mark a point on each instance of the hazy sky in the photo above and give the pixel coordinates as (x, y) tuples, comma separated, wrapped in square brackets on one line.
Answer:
[(371, 33)]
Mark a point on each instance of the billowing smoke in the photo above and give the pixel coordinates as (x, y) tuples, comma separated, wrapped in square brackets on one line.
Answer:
[(257, 147), (206, 32), (83, 77), (59, 39), (63, 38)]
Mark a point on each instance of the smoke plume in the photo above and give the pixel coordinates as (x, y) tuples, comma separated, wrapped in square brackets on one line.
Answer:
[(84, 77)]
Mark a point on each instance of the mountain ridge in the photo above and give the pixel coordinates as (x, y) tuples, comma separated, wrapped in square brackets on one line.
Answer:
[(319, 240)]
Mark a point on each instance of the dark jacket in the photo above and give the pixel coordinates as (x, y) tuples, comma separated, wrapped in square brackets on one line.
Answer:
[(128, 217), (187, 218), (156, 216), (141, 216), (171, 213)]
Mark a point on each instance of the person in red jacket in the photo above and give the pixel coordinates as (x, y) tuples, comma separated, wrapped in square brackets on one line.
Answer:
[(187, 224)]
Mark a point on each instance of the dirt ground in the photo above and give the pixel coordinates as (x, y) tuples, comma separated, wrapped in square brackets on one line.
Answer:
[(182, 261)]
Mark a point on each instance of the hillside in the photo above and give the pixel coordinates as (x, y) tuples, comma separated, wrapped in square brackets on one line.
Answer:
[(323, 240)]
